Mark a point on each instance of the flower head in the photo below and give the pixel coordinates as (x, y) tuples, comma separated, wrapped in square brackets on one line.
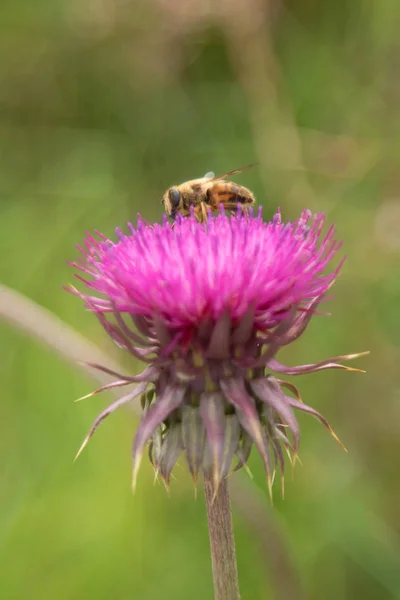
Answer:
[(208, 306)]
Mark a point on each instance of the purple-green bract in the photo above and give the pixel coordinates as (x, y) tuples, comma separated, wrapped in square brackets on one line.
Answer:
[(208, 306)]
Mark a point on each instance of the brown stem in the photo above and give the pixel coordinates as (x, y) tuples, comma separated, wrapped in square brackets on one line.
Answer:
[(222, 543)]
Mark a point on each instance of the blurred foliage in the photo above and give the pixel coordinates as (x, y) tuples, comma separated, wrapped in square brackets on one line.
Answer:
[(105, 104)]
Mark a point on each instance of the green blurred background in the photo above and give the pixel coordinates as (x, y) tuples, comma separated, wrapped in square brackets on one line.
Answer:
[(103, 105)]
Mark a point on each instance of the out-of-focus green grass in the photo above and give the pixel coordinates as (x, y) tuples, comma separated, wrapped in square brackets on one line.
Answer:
[(103, 106)]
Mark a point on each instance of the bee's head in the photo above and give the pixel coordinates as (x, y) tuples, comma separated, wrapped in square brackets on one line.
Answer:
[(171, 201)]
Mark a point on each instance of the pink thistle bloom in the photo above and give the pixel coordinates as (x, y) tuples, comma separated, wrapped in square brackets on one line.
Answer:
[(208, 306)]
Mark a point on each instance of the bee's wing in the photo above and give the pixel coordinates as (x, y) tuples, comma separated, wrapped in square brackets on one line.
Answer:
[(209, 175), (239, 170)]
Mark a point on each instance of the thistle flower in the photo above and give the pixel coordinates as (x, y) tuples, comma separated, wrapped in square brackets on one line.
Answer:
[(207, 307)]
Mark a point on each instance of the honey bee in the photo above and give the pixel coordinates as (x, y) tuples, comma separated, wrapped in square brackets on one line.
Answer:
[(208, 193)]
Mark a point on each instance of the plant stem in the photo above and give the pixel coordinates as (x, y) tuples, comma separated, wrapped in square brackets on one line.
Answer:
[(222, 543)]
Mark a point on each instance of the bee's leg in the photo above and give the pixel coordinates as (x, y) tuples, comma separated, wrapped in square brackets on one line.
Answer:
[(204, 212), (200, 212), (231, 207), (235, 207)]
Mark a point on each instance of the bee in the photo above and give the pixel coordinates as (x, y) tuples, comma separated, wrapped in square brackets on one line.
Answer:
[(207, 193)]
